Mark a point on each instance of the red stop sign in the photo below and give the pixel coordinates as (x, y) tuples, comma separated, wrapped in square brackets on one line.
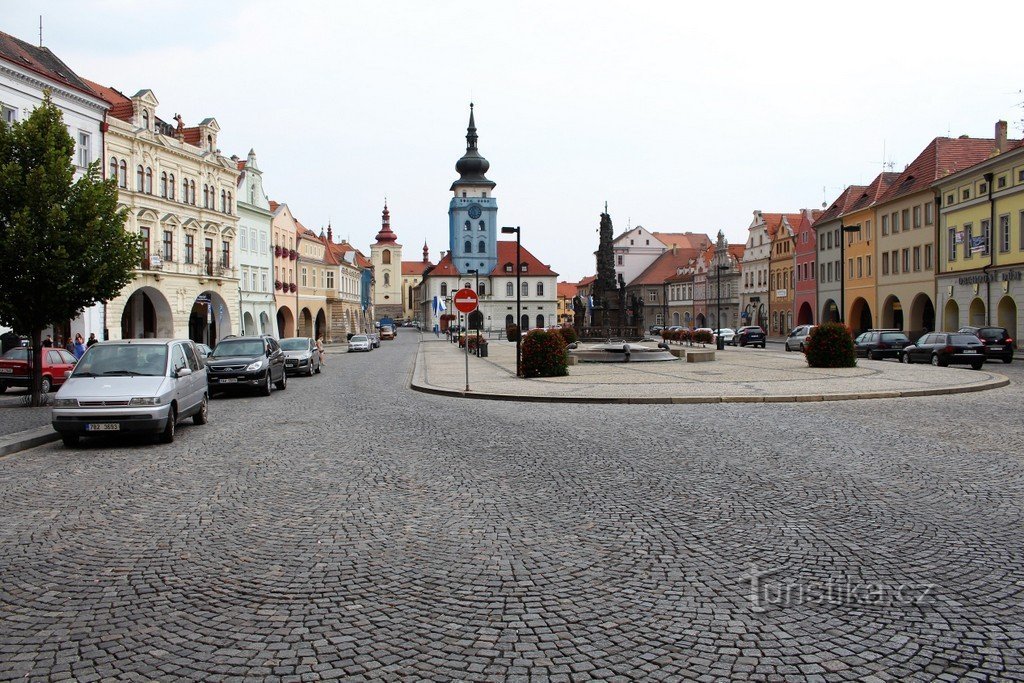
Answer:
[(466, 300)]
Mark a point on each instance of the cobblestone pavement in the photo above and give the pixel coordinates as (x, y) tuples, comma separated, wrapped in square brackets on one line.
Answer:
[(16, 417), (351, 528)]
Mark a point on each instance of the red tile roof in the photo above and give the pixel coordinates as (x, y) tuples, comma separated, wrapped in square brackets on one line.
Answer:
[(772, 221), (680, 277), (666, 265), (590, 279), (415, 267), (683, 240), (874, 191), (842, 203), (445, 267), (566, 290), (273, 206), (342, 248), (940, 158), (41, 61), (507, 254), (120, 105), (194, 136)]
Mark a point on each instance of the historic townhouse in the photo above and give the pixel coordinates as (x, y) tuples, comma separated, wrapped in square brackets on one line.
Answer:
[(680, 297), (647, 294), (717, 284), (827, 230), (180, 195), (780, 276), (314, 289), (351, 308), (859, 270), (386, 255), (566, 293), (637, 248), (805, 275), (754, 296), (26, 72), (981, 241), (905, 216), (284, 232), (255, 253), (412, 275)]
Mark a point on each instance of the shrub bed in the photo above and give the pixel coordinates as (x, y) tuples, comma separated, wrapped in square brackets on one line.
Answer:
[(702, 337), (568, 334), (544, 354), (512, 332), (830, 345)]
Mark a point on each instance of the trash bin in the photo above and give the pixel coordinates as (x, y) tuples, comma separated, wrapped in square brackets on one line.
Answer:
[(720, 343), (482, 350)]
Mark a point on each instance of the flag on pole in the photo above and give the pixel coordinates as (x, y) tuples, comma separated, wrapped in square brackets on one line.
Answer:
[(440, 305), (434, 306)]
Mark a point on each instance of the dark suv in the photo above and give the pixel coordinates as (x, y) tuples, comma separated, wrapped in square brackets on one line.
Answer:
[(750, 335), (998, 342), (879, 344), (248, 362), (943, 348)]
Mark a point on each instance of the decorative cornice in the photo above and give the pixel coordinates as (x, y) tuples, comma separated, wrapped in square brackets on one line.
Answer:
[(72, 95)]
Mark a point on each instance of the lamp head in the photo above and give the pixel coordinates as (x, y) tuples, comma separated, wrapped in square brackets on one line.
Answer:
[(509, 231)]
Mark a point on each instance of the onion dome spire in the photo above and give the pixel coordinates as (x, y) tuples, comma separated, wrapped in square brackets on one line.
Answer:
[(385, 236), (426, 253), (472, 167)]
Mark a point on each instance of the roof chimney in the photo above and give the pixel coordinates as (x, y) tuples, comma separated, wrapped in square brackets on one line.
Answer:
[(1001, 136)]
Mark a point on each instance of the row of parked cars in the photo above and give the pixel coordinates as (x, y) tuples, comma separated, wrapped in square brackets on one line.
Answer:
[(967, 346), (151, 385)]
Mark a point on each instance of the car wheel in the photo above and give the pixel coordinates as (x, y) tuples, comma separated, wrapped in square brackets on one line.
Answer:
[(787, 348), (1008, 359), (977, 366), (265, 389), (70, 440), (3, 387), (318, 366), (46, 385), (874, 355), (167, 436), (203, 416), (309, 370), (905, 358), (935, 359), (283, 384), (802, 347)]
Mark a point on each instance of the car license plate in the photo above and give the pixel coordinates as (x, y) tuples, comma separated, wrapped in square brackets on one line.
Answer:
[(969, 351), (103, 427), (227, 380), (6, 371), (996, 348)]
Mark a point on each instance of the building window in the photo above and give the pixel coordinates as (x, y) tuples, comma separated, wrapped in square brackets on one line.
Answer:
[(896, 262), (113, 169), (951, 244), (482, 292), (652, 295), (468, 247), (917, 216), (1001, 182), (1004, 234), (149, 180), (482, 225), (145, 119), (965, 194), (231, 206), (192, 192), (509, 289), (223, 201), (225, 254), (986, 236), (927, 257), (906, 260), (885, 263), (917, 259), (168, 245), (303, 276), (9, 114), (525, 288), (983, 188), (84, 149), (163, 184), (444, 289), (206, 196), (968, 238), (929, 213), (190, 248), (209, 142), (469, 226), (523, 267), (619, 259), (906, 219), (330, 279), (144, 231), (481, 247), (385, 257), (387, 279), (184, 191), (140, 179), (895, 219), (540, 289), (885, 226)]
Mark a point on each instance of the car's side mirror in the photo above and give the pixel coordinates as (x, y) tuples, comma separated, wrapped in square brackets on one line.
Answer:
[(183, 372)]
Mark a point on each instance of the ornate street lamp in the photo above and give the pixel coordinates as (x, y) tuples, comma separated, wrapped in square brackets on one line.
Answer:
[(519, 299)]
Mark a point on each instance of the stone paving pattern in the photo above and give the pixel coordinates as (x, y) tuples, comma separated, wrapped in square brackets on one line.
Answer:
[(16, 417), (735, 373), (349, 528)]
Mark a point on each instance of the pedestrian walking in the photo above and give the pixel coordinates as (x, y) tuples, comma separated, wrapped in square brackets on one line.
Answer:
[(320, 348), (437, 330), (69, 345), (48, 342), (92, 340), (79, 346)]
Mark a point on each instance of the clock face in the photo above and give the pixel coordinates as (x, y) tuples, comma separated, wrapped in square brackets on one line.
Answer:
[(474, 211)]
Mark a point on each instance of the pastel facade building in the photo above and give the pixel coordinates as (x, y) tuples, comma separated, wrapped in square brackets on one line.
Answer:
[(255, 251), (858, 270), (827, 233)]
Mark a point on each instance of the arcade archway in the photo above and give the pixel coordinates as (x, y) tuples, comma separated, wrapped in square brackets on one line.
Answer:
[(805, 316), (285, 323), (147, 315), (830, 312), (1006, 315), (922, 314), (892, 313), (860, 316), (976, 313), (209, 320), (320, 329), (249, 324), (305, 323)]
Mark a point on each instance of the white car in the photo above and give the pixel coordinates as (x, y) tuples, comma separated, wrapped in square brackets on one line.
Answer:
[(728, 335), (797, 337), (359, 342)]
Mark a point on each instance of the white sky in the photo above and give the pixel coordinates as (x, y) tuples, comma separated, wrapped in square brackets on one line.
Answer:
[(683, 116)]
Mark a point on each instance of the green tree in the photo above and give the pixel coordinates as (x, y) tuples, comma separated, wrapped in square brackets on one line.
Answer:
[(63, 246)]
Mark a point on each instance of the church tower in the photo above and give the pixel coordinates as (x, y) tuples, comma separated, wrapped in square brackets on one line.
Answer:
[(386, 256), (473, 211)]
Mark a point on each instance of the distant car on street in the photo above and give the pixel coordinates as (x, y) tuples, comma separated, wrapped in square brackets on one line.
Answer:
[(359, 342), (880, 344), (727, 334), (387, 332), (374, 339), (798, 337), (998, 342), (301, 355), (750, 335), (14, 370), (945, 348)]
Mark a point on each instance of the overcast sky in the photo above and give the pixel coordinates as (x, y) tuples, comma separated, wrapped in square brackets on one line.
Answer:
[(681, 116)]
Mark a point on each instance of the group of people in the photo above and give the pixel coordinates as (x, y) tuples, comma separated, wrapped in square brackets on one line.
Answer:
[(75, 346)]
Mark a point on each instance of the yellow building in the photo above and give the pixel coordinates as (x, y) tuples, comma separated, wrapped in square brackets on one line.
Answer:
[(980, 268), (859, 277)]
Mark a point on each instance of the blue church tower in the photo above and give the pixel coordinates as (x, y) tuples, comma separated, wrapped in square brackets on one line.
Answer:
[(473, 211)]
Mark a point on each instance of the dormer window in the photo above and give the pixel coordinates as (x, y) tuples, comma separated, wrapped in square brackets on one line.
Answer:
[(483, 194), (523, 267), (509, 268), (145, 119), (209, 142)]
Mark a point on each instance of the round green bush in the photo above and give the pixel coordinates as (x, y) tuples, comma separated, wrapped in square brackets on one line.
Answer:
[(568, 334), (544, 354), (512, 332), (830, 345)]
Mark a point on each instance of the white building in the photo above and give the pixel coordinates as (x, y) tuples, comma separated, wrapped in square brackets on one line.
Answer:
[(255, 253), (637, 248), (26, 71)]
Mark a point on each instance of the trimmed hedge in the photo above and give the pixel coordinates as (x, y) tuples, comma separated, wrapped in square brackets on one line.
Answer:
[(512, 332), (703, 337), (544, 354), (830, 345)]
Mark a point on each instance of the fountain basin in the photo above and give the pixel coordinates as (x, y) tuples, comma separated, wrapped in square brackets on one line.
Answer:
[(619, 352)]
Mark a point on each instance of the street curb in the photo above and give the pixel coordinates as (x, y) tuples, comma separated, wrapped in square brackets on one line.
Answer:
[(996, 383), (30, 438)]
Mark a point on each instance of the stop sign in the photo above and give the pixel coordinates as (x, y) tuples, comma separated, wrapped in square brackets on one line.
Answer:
[(466, 300)]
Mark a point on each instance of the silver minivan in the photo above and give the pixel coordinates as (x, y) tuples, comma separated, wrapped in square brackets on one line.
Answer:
[(798, 337), (132, 386)]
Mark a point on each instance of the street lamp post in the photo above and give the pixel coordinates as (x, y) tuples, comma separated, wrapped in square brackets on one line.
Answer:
[(719, 342), (476, 272), (843, 230), (519, 298)]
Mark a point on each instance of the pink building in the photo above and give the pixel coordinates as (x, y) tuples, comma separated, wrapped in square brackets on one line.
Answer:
[(805, 300)]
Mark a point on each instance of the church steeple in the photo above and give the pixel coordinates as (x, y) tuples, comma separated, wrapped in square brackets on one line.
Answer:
[(426, 253), (386, 236), (472, 167)]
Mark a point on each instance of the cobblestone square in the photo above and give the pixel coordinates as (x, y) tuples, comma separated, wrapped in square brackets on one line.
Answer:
[(350, 528)]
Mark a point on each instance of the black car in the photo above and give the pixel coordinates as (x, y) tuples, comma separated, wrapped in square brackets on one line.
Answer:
[(247, 362), (946, 348), (879, 344), (751, 335), (998, 342)]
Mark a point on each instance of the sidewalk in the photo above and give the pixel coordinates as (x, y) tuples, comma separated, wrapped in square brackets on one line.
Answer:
[(738, 375)]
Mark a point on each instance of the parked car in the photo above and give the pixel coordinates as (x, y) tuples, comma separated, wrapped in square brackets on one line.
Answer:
[(750, 335), (374, 339), (998, 342), (728, 335), (655, 330), (204, 350), (14, 368), (132, 386), (946, 348), (387, 332), (301, 355), (880, 344), (247, 362), (798, 337), (360, 342)]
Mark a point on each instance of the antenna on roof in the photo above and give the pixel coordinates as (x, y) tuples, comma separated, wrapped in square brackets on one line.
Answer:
[(40, 30)]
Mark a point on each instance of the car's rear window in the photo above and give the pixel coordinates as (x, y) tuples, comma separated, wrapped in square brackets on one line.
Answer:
[(20, 353), (894, 336), (991, 333), (963, 339)]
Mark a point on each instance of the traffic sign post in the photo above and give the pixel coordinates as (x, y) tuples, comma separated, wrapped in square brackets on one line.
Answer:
[(466, 301)]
